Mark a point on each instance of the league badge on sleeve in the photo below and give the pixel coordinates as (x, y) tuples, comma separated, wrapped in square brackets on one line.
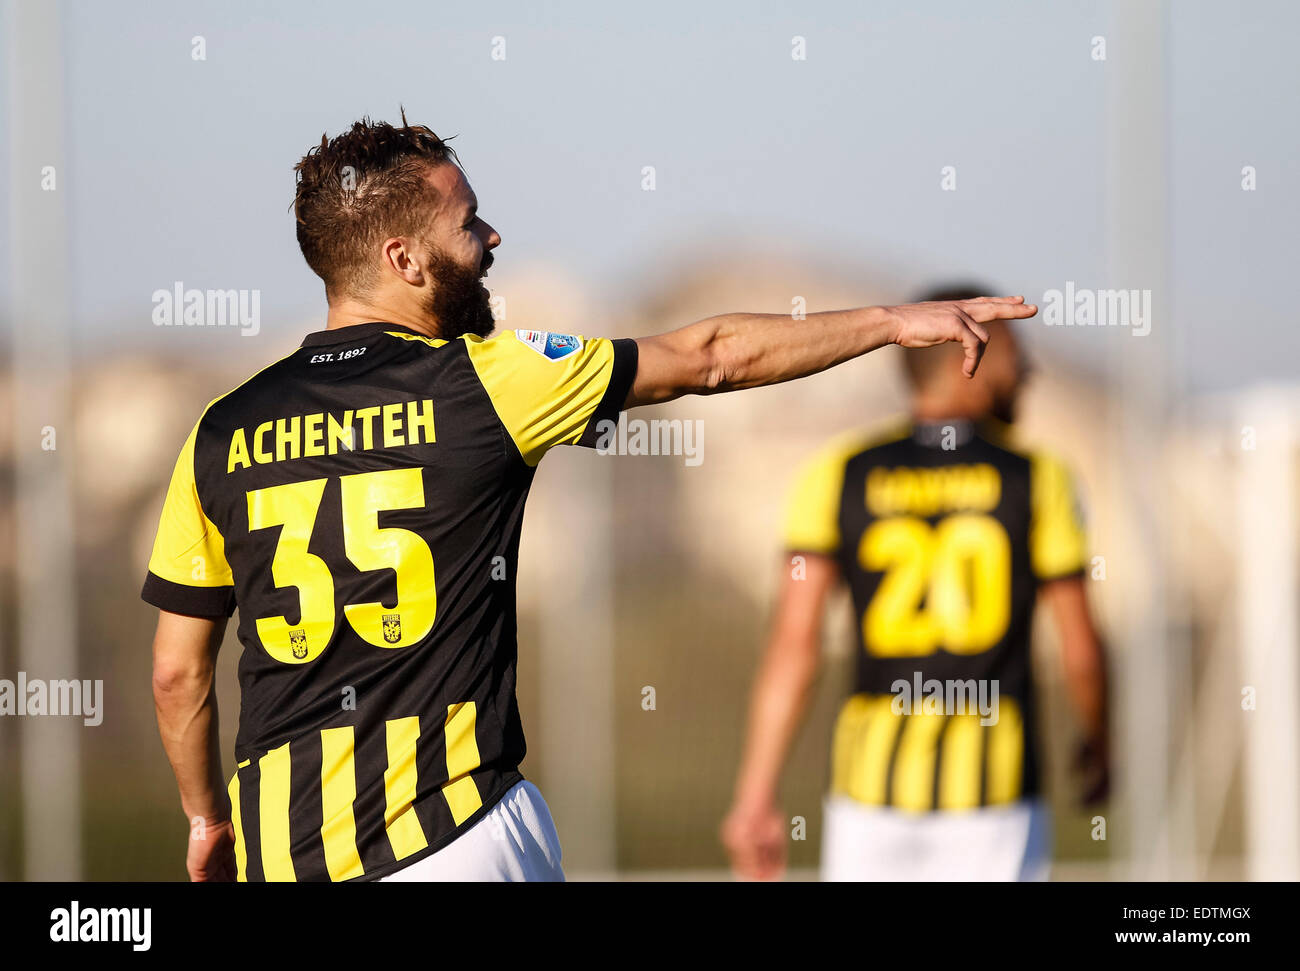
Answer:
[(550, 346)]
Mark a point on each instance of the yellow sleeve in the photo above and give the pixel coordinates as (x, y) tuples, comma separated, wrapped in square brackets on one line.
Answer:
[(812, 520), (1057, 544), (553, 389), (188, 572)]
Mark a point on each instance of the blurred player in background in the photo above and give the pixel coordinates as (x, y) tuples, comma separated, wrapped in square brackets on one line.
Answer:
[(361, 502), (947, 536)]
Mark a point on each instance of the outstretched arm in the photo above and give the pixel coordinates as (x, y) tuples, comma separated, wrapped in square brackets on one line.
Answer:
[(735, 351)]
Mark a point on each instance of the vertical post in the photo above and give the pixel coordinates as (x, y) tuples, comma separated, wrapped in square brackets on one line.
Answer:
[(43, 435), (1268, 635), (1136, 176)]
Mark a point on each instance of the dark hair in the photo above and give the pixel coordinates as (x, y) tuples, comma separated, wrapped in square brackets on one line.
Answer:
[(359, 188), (922, 363)]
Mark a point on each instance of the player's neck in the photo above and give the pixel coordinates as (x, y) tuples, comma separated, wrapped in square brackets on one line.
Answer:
[(348, 313), (934, 410)]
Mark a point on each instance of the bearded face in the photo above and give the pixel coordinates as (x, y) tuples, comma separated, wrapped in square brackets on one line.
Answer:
[(459, 302)]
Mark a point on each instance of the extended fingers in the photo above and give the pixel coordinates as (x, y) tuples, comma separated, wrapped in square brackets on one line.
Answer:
[(1000, 308)]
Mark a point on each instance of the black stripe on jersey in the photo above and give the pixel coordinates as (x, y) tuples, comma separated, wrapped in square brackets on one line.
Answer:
[(431, 774), (893, 758), (306, 814), (938, 761), (626, 354), (371, 759), (178, 598), (984, 767), (250, 787)]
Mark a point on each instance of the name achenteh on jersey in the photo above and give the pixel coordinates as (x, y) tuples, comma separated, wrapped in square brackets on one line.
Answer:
[(392, 425)]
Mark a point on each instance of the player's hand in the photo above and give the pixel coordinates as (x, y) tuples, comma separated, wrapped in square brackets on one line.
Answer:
[(212, 858), (755, 838), (928, 324), (1093, 763)]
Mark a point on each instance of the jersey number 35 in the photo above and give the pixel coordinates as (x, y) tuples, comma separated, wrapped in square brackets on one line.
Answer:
[(294, 507)]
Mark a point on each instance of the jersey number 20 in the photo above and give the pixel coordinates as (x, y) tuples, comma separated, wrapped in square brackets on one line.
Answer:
[(947, 585)]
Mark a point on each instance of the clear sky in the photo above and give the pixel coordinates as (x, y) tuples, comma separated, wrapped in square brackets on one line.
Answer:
[(180, 170)]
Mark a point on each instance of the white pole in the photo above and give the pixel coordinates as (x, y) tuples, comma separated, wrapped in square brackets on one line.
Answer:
[(43, 435), (1136, 176), (1268, 633)]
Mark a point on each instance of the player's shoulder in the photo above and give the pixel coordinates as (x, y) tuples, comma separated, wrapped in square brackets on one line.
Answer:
[(525, 346), (817, 490), (822, 474)]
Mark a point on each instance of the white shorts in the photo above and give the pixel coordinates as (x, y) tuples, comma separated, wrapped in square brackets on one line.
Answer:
[(514, 841), (879, 843)]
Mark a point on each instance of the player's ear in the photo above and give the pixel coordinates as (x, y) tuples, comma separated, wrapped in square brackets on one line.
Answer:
[(401, 258)]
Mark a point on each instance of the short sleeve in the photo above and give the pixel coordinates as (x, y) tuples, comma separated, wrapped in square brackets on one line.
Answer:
[(1057, 542), (188, 572), (812, 519), (553, 389)]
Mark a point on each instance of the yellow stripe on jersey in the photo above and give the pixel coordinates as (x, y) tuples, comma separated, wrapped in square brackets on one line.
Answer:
[(1006, 755), (189, 549), (1057, 544), (338, 790), (405, 834), (924, 750), (237, 824), (813, 509), (961, 768), (540, 401), (843, 745), (273, 814), (461, 792), (874, 745), (916, 760)]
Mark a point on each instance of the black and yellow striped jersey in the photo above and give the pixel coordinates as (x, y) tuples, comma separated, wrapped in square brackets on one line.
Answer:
[(942, 532), (360, 501)]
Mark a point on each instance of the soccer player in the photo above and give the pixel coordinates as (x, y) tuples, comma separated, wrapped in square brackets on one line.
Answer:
[(946, 536), (360, 501)]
